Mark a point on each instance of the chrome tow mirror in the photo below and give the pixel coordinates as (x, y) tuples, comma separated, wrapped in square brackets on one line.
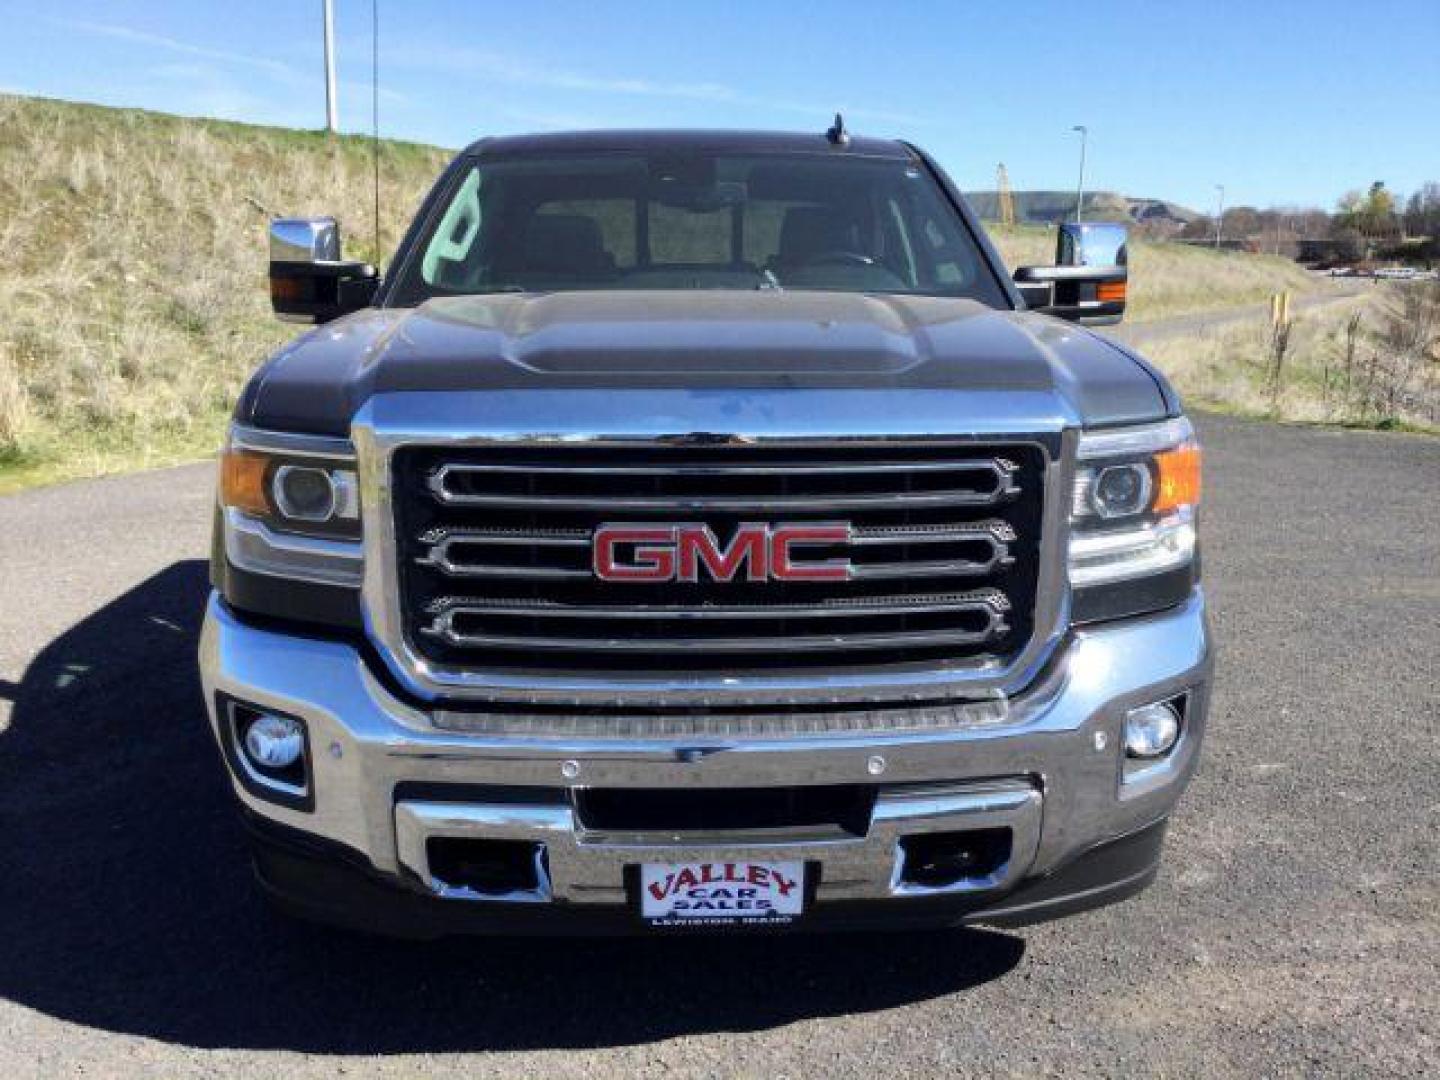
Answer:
[(1090, 278), (309, 281)]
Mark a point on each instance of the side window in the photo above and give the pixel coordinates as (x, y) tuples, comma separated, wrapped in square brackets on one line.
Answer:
[(455, 237)]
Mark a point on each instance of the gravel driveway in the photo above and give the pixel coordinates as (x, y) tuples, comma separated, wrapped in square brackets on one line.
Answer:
[(1295, 929)]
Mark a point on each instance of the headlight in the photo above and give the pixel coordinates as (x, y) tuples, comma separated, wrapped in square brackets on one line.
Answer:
[(1133, 511), (291, 506)]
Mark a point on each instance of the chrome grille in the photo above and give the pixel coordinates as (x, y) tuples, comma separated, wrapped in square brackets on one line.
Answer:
[(497, 571)]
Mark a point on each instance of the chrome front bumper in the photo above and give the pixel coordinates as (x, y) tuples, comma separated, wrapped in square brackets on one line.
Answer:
[(1050, 769)]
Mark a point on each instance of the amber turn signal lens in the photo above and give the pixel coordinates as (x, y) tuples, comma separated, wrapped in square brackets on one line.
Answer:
[(1178, 478), (1110, 292), (242, 481), (287, 288)]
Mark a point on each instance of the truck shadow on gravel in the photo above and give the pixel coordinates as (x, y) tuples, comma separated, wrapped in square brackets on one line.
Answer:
[(126, 901)]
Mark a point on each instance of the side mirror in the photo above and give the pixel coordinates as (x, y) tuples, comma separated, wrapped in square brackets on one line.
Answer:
[(309, 282), (1088, 284)]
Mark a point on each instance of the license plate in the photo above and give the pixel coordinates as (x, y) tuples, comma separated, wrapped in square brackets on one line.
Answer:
[(734, 893)]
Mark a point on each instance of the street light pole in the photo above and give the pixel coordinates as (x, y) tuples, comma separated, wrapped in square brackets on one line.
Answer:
[(1080, 185), (332, 106), (1219, 214)]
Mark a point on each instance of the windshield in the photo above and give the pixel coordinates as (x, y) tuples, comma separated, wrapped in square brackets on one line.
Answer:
[(697, 221)]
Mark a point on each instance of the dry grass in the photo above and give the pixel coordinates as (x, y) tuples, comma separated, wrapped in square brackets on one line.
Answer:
[(1170, 279), (134, 272), (1375, 363)]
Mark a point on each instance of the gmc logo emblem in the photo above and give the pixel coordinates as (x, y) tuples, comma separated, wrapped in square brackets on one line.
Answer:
[(761, 551)]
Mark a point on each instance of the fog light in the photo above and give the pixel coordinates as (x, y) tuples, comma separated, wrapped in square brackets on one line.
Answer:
[(274, 742), (1151, 730)]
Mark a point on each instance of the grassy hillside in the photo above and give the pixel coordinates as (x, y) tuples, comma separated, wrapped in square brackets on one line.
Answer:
[(1372, 360), (132, 272), (1167, 279)]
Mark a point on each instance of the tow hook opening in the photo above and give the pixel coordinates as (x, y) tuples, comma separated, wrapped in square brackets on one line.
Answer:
[(949, 859), (485, 868)]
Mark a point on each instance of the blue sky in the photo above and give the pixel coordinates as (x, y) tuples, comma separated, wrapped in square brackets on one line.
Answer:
[(1282, 101)]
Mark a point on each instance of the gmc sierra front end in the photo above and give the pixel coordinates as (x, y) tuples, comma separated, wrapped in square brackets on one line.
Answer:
[(697, 530)]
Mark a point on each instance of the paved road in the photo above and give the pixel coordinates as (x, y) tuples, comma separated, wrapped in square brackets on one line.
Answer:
[(1328, 294), (1296, 929)]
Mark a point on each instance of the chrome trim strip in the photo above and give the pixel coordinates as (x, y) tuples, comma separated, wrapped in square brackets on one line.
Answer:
[(832, 419), (443, 627), (448, 566), (1141, 439), (957, 533), (1000, 555), (1101, 557), (244, 437), (551, 538), (996, 467), (859, 607), (744, 504), (253, 546)]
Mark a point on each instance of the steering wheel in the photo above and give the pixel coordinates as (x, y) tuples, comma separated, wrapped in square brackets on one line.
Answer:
[(839, 258)]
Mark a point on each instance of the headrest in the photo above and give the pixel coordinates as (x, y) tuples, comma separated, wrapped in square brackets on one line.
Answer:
[(564, 243), (808, 231)]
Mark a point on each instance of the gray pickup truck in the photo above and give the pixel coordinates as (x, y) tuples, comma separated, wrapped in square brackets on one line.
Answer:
[(703, 530)]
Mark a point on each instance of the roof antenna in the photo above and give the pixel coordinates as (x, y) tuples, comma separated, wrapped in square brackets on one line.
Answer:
[(837, 134), (375, 114)]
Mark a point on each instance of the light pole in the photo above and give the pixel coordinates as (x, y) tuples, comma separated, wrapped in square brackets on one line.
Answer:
[(332, 106), (1080, 185), (1219, 213)]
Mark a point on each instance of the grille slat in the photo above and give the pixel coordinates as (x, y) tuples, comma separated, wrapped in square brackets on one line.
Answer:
[(996, 467), (898, 605), (496, 556), (847, 643), (778, 504)]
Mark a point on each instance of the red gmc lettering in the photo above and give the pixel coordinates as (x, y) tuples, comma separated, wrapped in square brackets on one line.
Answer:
[(652, 553), (658, 553), (786, 537), (698, 544)]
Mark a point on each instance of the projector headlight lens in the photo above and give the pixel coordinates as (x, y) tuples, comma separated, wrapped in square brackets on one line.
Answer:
[(1121, 490), (304, 493)]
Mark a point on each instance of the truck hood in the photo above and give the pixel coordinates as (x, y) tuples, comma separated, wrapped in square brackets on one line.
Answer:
[(630, 342)]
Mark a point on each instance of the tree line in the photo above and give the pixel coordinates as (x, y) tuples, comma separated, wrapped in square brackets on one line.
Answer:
[(1364, 223)]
